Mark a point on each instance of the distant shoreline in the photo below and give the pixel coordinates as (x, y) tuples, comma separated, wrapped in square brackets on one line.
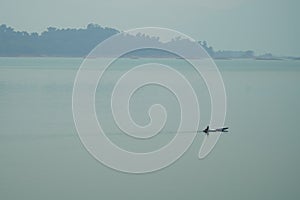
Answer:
[(78, 43), (149, 57)]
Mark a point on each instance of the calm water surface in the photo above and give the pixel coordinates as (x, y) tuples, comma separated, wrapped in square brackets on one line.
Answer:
[(41, 156)]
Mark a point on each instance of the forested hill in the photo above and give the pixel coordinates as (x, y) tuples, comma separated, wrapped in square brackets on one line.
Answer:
[(53, 41), (72, 42)]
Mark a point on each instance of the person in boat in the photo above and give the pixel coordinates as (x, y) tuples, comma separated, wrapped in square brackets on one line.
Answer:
[(208, 130)]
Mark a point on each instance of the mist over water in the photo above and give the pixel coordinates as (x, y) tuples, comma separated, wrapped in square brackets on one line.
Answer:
[(41, 156)]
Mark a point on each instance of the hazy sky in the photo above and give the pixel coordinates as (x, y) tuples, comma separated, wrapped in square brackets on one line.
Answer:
[(260, 25)]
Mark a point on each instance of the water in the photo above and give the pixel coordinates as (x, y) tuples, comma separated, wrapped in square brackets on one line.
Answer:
[(41, 156)]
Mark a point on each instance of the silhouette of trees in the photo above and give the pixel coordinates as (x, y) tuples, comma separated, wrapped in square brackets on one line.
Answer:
[(72, 42), (208, 49), (53, 41)]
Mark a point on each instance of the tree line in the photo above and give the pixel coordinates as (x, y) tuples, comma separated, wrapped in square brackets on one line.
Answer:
[(53, 41), (71, 42)]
